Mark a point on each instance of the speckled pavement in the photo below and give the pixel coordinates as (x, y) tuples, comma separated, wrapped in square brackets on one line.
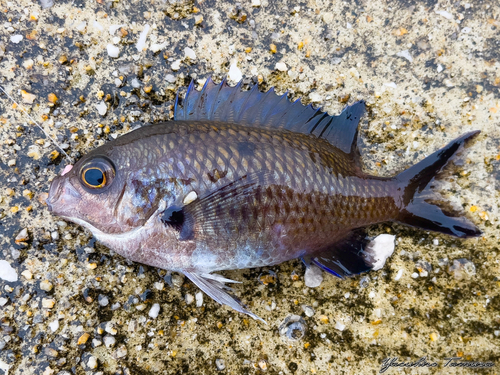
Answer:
[(429, 71)]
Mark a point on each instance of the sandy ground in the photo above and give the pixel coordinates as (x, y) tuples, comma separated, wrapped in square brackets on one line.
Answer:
[(429, 72)]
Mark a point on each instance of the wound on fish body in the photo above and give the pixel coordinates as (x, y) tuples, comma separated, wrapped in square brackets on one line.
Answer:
[(265, 180)]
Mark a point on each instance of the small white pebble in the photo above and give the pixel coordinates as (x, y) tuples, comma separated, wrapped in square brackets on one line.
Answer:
[(340, 326), (435, 242), (189, 53), (46, 285), (176, 65), (398, 275), (81, 26), (466, 30), (103, 300), (121, 352), (281, 66), (102, 108), (109, 341), (7, 273), (199, 299), (92, 362), (189, 298), (315, 97), (219, 363), (48, 303), (110, 328), (54, 326), (16, 38), (154, 311), (256, 3), (170, 78), (308, 310), (115, 306), (113, 51), (27, 274), (313, 276), (235, 72), (414, 275)]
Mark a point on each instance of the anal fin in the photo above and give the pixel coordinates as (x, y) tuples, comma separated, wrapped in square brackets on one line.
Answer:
[(353, 255), (213, 286)]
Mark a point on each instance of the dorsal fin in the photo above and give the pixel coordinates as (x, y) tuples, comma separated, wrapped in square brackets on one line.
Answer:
[(255, 108)]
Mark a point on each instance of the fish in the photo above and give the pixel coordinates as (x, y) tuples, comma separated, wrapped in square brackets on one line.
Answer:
[(242, 179)]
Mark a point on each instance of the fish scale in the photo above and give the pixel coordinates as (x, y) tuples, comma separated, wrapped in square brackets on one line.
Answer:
[(245, 179)]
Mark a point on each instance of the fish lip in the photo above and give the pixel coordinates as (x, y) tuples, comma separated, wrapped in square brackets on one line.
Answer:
[(54, 193), (59, 191)]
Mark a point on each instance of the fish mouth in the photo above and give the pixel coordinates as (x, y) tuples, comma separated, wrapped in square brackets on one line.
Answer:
[(61, 193)]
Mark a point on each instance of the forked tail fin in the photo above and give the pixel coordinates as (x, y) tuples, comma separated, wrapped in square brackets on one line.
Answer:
[(423, 210)]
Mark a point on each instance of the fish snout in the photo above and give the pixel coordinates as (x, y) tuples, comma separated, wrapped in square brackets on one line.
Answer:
[(53, 192), (62, 193)]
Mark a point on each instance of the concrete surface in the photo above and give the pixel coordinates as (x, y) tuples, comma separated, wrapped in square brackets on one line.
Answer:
[(429, 71)]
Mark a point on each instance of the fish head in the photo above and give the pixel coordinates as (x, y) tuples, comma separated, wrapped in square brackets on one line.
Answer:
[(88, 194), (116, 194)]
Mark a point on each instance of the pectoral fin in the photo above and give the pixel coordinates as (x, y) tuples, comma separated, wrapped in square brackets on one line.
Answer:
[(353, 255), (213, 286)]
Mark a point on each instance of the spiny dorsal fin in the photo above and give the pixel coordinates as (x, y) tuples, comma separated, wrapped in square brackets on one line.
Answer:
[(255, 108)]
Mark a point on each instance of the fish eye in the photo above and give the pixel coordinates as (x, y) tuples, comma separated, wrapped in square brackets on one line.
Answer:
[(97, 174)]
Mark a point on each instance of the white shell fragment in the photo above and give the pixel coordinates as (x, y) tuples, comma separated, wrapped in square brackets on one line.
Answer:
[(190, 197), (398, 275), (235, 72), (156, 47), (381, 248), (7, 273), (141, 43)]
